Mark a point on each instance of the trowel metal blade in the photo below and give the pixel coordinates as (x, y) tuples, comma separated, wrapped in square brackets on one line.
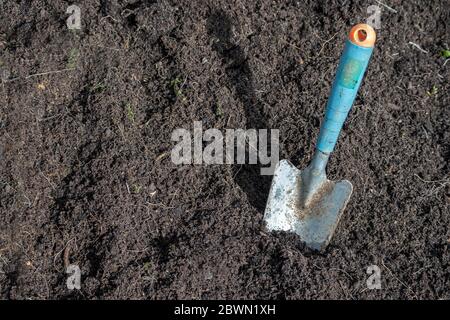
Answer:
[(315, 223)]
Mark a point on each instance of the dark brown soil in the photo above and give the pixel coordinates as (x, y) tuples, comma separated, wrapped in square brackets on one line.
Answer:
[(87, 179)]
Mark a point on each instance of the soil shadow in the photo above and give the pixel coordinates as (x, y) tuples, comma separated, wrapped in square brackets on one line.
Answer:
[(240, 76)]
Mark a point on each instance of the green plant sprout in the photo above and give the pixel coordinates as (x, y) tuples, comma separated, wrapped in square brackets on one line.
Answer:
[(177, 86), (130, 112), (445, 53), (72, 58), (99, 87), (433, 91), (136, 188), (219, 110)]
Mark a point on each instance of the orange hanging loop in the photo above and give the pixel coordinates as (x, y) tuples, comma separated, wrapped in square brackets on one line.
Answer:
[(363, 35)]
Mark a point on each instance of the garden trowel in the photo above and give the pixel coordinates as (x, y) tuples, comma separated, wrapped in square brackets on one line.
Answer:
[(305, 201)]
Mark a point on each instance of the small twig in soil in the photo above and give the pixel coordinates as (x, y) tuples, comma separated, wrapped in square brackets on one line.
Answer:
[(38, 74), (228, 120), (301, 61), (291, 44), (345, 290), (160, 205), (51, 117), (417, 46), (386, 6), (443, 182), (161, 156), (28, 202), (434, 189), (121, 132), (66, 256), (103, 47), (237, 172), (324, 42), (421, 269), (62, 250), (109, 17), (47, 73), (48, 180), (398, 279)]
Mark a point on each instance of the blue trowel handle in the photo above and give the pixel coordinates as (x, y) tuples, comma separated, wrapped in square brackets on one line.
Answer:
[(353, 64)]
